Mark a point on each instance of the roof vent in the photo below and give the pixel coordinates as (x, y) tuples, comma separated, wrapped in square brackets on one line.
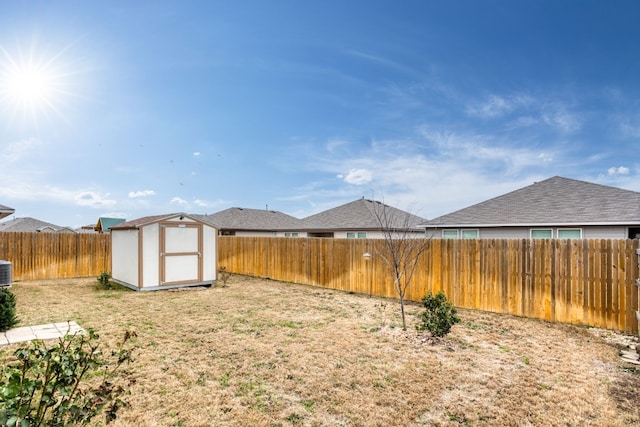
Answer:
[(5, 273)]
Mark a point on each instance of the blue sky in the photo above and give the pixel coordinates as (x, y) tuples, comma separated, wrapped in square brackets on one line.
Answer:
[(142, 108)]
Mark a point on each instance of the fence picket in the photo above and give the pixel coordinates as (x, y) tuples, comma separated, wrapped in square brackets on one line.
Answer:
[(591, 282)]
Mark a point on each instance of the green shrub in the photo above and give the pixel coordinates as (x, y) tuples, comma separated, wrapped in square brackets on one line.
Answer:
[(48, 386), (440, 315), (8, 317), (105, 279)]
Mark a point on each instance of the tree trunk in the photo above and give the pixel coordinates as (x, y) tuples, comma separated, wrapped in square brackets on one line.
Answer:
[(404, 323)]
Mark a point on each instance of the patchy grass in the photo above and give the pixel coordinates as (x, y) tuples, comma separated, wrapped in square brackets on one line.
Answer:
[(265, 353)]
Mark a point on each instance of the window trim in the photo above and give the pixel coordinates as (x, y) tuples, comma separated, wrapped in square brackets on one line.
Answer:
[(550, 230), (450, 230), (477, 230), (568, 229)]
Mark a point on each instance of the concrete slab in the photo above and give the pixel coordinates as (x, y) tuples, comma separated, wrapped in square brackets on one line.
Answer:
[(19, 334), (48, 331)]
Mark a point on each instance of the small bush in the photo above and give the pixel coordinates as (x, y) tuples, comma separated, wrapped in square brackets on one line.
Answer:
[(224, 276), (105, 279), (47, 386), (8, 317), (440, 315)]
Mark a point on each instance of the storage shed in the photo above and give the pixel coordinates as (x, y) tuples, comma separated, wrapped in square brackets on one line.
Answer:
[(164, 251)]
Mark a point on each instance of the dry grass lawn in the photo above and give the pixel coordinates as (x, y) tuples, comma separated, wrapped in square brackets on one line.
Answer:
[(265, 353)]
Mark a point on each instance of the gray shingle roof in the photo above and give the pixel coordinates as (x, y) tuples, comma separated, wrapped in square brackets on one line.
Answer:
[(6, 211), (252, 219), (554, 201), (28, 224), (359, 215)]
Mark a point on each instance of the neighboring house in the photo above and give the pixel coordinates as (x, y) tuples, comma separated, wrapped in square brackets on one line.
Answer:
[(28, 224), (254, 222), (104, 224), (359, 220), (5, 211), (554, 208)]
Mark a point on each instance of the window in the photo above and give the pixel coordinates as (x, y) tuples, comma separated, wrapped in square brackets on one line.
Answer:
[(359, 235), (542, 234), (470, 234), (449, 234), (287, 234), (569, 233)]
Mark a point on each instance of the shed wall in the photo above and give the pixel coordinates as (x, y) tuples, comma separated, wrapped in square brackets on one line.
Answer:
[(150, 255), (210, 257), (124, 256)]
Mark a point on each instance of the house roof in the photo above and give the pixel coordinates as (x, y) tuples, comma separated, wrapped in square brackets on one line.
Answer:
[(554, 201), (141, 222), (28, 224), (105, 224), (252, 219), (360, 215), (5, 211)]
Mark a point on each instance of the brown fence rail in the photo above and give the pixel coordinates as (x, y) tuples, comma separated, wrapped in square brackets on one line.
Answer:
[(36, 256), (590, 282)]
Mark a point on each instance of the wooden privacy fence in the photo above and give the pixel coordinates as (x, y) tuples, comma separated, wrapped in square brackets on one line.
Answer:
[(36, 256), (590, 282)]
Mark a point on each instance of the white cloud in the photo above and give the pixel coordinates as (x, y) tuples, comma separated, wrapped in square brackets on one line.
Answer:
[(196, 154), (621, 170), (357, 177), (93, 199), (143, 193), (436, 172), (179, 201), (545, 157), (19, 150), (560, 119), (114, 215), (498, 106)]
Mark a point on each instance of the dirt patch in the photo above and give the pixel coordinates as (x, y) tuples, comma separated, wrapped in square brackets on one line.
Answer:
[(266, 353)]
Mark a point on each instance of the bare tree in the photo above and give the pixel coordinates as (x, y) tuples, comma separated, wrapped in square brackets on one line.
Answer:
[(402, 248)]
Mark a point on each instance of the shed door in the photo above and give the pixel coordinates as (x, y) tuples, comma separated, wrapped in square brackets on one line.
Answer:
[(180, 253)]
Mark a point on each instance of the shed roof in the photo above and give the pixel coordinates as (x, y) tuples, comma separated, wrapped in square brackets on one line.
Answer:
[(554, 201), (146, 220), (360, 215), (252, 219)]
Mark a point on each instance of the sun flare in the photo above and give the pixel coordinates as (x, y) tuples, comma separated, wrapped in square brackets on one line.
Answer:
[(31, 86), (28, 86)]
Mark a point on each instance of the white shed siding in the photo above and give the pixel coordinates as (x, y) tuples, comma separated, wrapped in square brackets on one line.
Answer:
[(151, 255), (169, 252), (210, 250), (124, 260)]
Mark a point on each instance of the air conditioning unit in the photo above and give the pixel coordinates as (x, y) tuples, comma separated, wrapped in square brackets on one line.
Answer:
[(5, 273)]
